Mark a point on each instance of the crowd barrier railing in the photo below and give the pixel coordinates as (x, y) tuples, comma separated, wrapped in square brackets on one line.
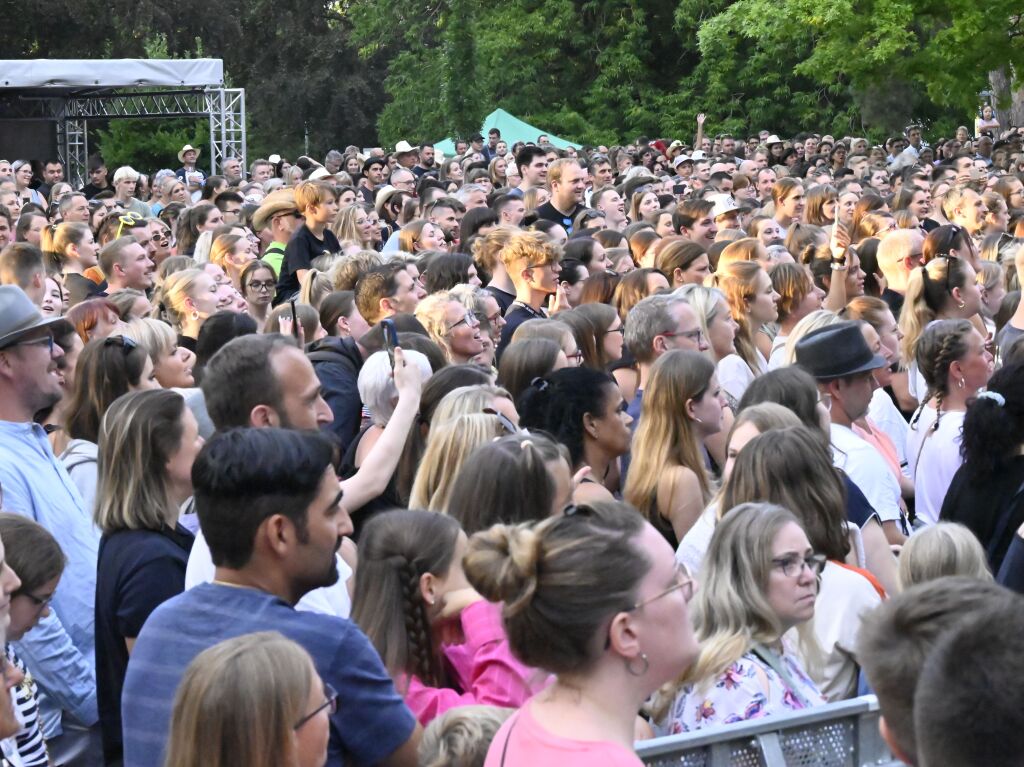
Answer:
[(843, 734)]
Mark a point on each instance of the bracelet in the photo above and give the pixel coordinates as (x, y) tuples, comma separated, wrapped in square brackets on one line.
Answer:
[(838, 266)]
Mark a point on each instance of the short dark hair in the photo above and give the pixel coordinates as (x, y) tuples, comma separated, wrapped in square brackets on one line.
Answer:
[(225, 197), (241, 376), (969, 703), (243, 476), (32, 552), (217, 330), (20, 262), (527, 154)]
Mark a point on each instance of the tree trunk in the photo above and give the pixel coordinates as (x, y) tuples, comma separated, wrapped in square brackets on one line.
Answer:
[(1014, 114)]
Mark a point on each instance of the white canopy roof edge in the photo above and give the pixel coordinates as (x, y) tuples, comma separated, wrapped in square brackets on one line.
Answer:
[(111, 73)]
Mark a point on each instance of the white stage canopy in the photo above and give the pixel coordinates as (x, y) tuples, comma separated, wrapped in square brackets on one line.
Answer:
[(111, 73)]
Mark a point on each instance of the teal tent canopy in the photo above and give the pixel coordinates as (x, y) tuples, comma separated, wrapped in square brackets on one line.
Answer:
[(512, 130)]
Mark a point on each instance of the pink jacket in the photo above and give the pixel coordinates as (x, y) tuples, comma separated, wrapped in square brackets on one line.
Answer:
[(483, 667)]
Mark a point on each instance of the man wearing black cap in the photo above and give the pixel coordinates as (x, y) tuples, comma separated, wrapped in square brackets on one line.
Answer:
[(843, 365)]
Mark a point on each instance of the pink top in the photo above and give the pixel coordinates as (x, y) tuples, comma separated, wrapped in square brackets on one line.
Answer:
[(530, 745), (882, 443), (483, 667)]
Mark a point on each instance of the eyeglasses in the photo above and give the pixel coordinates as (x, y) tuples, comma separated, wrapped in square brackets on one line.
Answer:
[(620, 329), (162, 238), (684, 580), (331, 704), (577, 355), (126, 344), (41, 603), (260, 286), (46, 341), (469, 320), (794, 564), (504, 420), (694, 335), (826, 400)]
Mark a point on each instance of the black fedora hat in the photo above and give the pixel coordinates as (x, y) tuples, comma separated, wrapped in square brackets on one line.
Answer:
[(836, 351)]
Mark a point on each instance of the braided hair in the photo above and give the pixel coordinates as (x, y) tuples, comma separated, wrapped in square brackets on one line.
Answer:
[(396, 550), (941, 344)]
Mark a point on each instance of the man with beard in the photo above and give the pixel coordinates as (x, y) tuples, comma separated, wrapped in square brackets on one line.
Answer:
[(271, 508)]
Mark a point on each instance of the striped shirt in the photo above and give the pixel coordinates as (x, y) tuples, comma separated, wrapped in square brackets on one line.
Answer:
[(29, 739)]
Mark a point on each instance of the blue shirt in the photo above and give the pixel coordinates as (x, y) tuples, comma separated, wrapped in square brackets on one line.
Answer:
[(371, 723), (60, 649)]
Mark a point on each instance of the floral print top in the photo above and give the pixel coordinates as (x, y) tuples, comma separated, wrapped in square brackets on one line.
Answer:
[(740, 694)]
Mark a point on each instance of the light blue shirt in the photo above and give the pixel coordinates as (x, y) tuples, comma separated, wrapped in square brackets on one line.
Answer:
[(60, 651)]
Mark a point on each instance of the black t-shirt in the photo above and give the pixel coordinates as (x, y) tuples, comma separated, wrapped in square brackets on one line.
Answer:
[(894, 300), (549, 212), (302, 248), (516, 316), (137, 571), (503, 297), (91, 190)]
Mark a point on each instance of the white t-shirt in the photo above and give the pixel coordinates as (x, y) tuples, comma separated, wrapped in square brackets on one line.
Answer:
[(695, 543), (331, 600), (886, 416), (869, 472), (934, 457), (843, 598), (734, 375), (777, 359)]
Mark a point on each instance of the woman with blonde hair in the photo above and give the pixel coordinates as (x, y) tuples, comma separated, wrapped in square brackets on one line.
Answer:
[(71, 250), (752, 303), (534, 197), (354, 224), (232, 253), (759, 581), (642, 204), (943, 549), (187, 299), (451, 326), (315, 287), (147, 444), (448, 446), (668, 480), (172, 363), (252, 701), (421, 235), (943, 289)]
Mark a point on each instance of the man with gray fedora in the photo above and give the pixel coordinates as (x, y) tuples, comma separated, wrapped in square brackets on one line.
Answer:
[(843, 364), (60, 651)]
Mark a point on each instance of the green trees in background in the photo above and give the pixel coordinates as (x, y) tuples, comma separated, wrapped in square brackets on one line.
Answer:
[(365, 71)]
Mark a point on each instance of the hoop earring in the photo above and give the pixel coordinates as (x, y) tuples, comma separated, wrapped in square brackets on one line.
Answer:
[(961, 305), (194, 315), (641, 672)]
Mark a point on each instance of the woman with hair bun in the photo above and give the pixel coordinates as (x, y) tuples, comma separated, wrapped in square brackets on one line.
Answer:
[(985, 492), (440, 640), (596, 598)]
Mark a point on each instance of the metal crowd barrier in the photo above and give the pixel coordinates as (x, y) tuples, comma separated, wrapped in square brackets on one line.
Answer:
[(843, 734)]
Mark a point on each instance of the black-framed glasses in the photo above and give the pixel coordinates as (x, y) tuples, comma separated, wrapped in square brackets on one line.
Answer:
[(330, 703), (577, 355), (693, 335), (126, 344), (41, 603), (469, 320), (619, 329), (794, 564), (262, 285)]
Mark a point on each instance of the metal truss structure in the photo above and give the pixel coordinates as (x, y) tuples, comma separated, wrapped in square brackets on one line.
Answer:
[(72, 111)]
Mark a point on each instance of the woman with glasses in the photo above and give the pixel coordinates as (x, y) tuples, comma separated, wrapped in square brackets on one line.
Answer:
[(22, 179), (753, 302), (583, 409), (147, 443), (34, 555), (252, 701), (594, 597), (441, 641), (598, 332), (668, 479), (163, 242), (451, 326), (759, 581), (257, 284)]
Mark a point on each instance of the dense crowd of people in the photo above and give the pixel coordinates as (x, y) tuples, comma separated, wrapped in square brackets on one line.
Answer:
[(516, 457)]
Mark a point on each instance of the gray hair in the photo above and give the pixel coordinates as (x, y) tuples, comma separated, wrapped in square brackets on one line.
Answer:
[(463, 193), (376, 383), (648, 319)]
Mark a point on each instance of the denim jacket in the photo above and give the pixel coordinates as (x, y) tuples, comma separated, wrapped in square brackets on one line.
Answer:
[(60, 651)]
